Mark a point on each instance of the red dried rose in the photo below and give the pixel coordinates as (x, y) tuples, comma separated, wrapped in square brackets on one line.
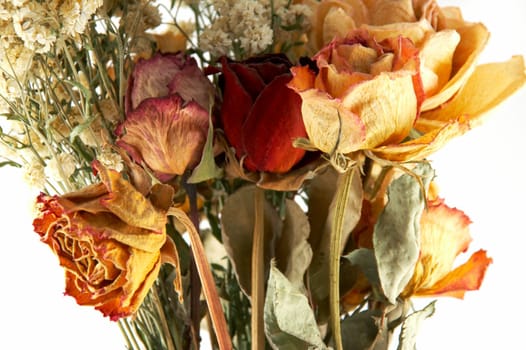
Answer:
[(260, 115)]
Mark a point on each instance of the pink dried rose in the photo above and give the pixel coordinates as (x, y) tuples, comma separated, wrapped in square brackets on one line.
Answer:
[(167, 114)]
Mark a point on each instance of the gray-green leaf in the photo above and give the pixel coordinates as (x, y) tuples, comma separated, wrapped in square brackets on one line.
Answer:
[(396, 237), (411, 327), (289, 320)]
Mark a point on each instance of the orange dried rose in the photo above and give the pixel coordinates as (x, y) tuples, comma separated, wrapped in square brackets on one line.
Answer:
[(457, 92), (110, 240)]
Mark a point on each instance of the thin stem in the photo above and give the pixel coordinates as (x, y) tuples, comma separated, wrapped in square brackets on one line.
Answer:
[(207, 280), (195, 283), (258, 271), (334, 255), (162, 320)]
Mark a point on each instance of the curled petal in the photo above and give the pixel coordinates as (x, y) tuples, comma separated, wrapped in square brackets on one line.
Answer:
[(392, 11), (151, 78), (425, 145), (436, 58), (473, 38), (466, 277), (330, 127), (166, 135), (270, 129), (482, 91)]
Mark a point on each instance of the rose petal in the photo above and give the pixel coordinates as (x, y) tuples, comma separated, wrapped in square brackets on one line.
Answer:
[(427, 144), (466, 277), (387, 105), (330, 127), (192, 85), (236, 105), (166, 135), (128, 204), (151, 77), (415, 31), (473, 38), (482, 91), (436, 57), (444, 234), (392, 11), (271, 127)]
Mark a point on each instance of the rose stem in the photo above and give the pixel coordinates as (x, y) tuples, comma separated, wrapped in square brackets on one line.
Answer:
[(334, 256), (257, 282), (207, 280), (195, 283)]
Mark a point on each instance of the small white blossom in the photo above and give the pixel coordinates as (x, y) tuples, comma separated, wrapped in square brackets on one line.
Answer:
[(34, 175), (111, 160), (63, 164)]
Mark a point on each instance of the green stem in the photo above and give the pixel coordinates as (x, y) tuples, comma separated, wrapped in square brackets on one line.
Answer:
[(334, 255), (258, 271)]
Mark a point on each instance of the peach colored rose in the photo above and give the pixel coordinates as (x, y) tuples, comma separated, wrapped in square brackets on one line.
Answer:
[(457, 92), (361, 94), (110, 240)]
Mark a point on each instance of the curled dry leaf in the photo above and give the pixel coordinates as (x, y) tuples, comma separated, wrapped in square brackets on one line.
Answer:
[(396, 236), (285, 240)]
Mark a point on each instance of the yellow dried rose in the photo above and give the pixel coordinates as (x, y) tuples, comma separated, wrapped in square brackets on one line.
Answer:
[(456, 91), (110, 239)]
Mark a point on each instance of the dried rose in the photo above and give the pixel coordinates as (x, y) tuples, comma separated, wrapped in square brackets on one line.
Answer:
[(448, 51), (167, 118), (364, 94), (260, 115), (110, 240), (444, 234)]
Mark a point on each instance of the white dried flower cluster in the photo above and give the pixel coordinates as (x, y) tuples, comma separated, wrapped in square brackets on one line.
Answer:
[(244, 23), (33, 27), (248, 24), (61, 167), (34, 175)]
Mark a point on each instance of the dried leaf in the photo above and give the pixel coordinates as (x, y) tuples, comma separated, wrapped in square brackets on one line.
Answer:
[(293, 252), (411, 326), (365, 259), (237, 232), (207, 168), (170, 255), (289, 320), (396, 234), (362, 330)]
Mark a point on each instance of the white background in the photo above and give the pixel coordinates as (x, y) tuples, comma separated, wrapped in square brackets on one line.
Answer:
[(480, 173)]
